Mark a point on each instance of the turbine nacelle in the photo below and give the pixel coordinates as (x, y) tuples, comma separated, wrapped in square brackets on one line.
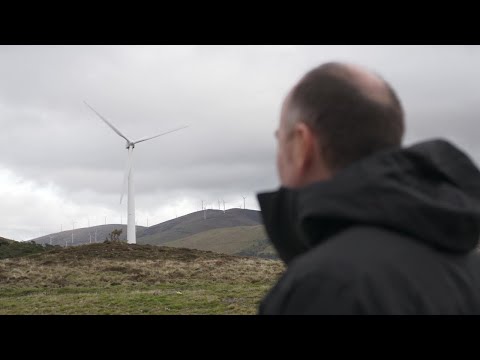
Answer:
[(129, 145)]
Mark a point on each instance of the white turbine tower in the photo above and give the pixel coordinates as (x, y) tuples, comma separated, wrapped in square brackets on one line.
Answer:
[(73, 229), (131, 234)]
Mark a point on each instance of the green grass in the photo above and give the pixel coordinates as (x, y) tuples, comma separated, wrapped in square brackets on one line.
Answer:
[(194, 298), (134, 279)]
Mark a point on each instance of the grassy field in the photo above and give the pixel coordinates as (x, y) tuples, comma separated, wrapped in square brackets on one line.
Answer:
[(118, 278)]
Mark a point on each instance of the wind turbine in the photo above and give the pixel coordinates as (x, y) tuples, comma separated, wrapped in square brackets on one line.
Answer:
[(204, 213), (73, 229), (131, 235), (244, 197)]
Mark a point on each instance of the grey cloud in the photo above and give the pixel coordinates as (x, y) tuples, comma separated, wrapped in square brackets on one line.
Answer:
[(229, 95)]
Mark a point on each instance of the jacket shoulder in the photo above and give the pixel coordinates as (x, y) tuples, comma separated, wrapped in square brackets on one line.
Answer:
[(368, 270)]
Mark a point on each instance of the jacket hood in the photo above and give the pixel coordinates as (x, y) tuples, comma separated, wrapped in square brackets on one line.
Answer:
[(429, 191)]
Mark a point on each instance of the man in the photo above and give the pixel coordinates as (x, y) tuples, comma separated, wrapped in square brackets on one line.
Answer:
[(364, 225)]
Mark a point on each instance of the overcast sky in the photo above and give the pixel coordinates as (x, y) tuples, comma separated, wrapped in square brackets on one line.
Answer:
[(59, 163)]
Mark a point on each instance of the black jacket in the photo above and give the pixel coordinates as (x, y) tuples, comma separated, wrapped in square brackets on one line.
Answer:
[(395, 233)]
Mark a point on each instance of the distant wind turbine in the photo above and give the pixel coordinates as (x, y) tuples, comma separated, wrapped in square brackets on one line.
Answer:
[(204, 211), (131, 231), (73, 229), (244, 197)]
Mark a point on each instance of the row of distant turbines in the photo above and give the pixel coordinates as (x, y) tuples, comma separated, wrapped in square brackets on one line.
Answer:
[(219, 204), (204, 207), (93, 233)]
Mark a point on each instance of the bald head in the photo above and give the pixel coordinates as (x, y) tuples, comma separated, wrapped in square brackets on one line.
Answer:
[(371, 85), (353, 112)]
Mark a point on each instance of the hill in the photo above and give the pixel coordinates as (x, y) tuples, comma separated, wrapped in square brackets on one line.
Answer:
[(117, 278), (196, 222), (235, 232)]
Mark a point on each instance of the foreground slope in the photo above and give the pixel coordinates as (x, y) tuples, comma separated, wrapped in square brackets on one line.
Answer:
[(116, 278)]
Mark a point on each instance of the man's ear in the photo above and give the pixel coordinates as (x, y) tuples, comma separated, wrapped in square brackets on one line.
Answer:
[(303, 148)]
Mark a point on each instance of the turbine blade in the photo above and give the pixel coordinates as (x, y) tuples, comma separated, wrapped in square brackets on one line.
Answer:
[(153, 137), (128, 166), (107, 122)]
